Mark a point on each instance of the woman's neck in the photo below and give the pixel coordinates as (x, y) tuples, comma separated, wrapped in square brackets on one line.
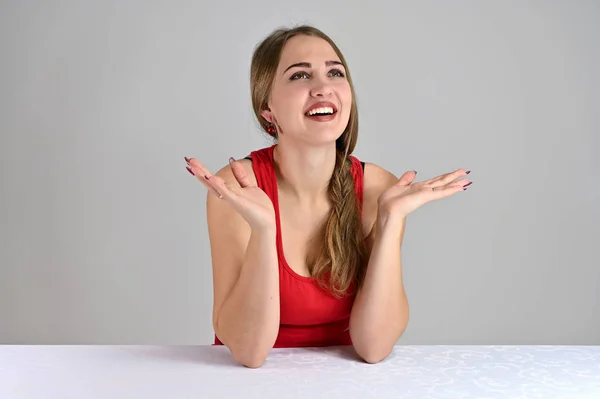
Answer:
[(304, 172)]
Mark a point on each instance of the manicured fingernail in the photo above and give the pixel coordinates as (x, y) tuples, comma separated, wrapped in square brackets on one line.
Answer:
[(189, 170), (467, 172), (206, 177), (231, 159), (187, 159), (415, 171), (468, 184)]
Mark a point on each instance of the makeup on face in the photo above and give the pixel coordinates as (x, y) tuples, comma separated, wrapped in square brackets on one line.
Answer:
[(323, 111)]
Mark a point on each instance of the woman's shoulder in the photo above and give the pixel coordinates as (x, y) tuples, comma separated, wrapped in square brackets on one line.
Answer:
[(246, 161), (376, 179)]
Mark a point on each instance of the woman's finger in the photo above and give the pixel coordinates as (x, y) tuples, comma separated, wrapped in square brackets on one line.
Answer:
[(407, 178), (445, 191), (198, 169), (449, 177), (206, 183), (202, 174), (225, 190), (239, 173), (459, 182)]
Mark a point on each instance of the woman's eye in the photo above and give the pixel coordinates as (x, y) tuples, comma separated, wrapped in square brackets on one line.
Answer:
[(299, 75), (304, 75)]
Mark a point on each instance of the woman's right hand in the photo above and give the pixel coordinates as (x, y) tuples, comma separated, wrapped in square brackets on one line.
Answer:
[(250, 201)]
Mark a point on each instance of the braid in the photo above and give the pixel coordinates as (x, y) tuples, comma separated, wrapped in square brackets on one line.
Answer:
[(343, 254)]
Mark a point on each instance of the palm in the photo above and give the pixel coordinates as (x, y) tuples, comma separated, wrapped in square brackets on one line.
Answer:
[(398, 199), (405, 196), (250, 201), (253, 200)]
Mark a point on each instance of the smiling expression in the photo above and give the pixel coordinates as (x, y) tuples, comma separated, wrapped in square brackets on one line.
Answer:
[(311, 97)]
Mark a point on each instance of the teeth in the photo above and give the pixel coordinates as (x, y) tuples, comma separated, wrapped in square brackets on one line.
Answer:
[(324, 110)]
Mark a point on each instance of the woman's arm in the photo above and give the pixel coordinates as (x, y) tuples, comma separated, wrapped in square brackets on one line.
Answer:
[(380, 312), (245, 279)]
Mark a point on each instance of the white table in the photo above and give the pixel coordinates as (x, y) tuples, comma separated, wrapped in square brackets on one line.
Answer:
[(415, 371)]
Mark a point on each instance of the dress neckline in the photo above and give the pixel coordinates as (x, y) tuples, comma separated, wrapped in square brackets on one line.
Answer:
[(279, 238)]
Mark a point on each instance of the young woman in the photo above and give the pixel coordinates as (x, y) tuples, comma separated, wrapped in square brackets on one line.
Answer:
[(305, 239)]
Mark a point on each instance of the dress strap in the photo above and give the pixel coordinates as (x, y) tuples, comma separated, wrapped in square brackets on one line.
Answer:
[(263, 167)]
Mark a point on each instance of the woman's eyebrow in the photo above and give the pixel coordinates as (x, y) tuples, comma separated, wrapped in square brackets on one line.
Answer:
[(309, 65)]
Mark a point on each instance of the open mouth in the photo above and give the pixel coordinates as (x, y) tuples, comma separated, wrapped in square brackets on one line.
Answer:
[(321, 111)]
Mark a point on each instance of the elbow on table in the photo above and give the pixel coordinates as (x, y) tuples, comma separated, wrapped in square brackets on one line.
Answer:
[(372, 353), (248, 352), (251, 358), (252, 362)]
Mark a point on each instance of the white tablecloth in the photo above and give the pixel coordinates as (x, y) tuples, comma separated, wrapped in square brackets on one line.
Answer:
[(114, 372)]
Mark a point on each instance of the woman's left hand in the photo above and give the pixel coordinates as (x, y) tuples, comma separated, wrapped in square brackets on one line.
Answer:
[(405, 196)]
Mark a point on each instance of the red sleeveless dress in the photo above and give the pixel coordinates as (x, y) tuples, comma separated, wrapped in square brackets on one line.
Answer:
[(309, 316)]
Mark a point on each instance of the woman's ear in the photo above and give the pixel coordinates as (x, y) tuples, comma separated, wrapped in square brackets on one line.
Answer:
[(267, 115)]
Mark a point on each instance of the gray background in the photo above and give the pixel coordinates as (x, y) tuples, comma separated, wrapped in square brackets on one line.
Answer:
[(103, 233)]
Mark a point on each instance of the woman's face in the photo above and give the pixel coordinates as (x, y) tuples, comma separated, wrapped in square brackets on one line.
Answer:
[(311, 97)]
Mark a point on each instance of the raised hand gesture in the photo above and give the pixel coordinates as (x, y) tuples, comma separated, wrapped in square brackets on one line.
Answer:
[(250, 201), (405, 196)]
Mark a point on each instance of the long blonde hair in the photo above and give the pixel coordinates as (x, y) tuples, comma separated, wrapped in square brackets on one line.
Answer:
[(342, 257)]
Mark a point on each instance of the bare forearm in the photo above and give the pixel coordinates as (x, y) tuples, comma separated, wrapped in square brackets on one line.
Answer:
[(380, 311), (248, 322)]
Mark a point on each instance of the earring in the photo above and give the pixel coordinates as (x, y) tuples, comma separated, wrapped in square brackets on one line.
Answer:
[(271, 129)]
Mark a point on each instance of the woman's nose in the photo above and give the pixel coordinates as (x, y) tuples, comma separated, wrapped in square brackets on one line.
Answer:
[(321, 89)]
